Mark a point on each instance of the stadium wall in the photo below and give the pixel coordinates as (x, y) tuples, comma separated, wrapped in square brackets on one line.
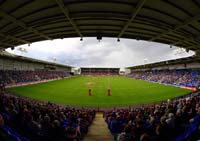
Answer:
[(6, 64), (193, 65)]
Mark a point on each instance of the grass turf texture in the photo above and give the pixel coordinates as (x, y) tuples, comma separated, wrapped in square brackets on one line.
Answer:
[(124, 91)]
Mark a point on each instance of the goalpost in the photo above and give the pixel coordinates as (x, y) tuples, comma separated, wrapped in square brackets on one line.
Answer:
[(90, 92), (108, 89), (90, 81)]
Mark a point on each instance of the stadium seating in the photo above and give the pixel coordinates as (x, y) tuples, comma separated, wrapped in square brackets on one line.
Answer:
[(175, 120), (178, 120), (189, 78), (8, 77), (100, 73), (30, 119)]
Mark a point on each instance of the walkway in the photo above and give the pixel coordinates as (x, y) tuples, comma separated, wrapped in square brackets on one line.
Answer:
[(99, 131)]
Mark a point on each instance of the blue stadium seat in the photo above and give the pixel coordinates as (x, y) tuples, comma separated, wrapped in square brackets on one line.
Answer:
[(15, 135)]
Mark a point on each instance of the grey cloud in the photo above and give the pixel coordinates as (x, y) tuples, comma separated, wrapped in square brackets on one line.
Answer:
[(107, 53)]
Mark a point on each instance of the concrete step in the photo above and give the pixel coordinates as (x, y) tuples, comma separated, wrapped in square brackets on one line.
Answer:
[(99, 131)]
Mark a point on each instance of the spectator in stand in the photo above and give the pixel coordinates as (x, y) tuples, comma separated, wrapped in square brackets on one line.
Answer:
[(71, 132), (44, 121), (189, 78), (170, 121), (9, 77), (162, 122), (126, 135), (145, 137)]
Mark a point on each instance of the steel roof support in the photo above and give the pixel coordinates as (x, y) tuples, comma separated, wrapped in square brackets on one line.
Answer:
[(170, 30), (188, 40), (65, 10), (133, 15), (7, 44), (23, 25), (14, 38)]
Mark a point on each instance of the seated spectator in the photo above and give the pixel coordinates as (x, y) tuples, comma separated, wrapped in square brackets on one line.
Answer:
[(182, 77), (145, 137), (44, 121), (126, 135), (166, 121), (12, 77), (71, 132), (170, 121)]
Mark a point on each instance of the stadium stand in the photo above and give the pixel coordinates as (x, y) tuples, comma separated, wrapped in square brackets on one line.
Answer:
[(100, 71), (175, 23), (9, 77), (175, 120), (16, 70), (27, 119), (183, 77)]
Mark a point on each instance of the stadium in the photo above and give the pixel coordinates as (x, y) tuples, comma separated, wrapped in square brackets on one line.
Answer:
[(42, 100)]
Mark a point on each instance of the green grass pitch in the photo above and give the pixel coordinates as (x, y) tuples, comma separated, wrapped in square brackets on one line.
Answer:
[(124, 91)]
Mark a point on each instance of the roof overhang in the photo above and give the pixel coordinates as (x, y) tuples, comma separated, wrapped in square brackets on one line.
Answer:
[(174, 22), (187, 60)]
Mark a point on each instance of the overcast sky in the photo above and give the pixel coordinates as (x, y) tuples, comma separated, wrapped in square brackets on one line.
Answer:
[(106, 53)]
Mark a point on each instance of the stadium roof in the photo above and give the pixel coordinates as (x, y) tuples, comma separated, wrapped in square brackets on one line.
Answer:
[(174, 22), (4, 54), (192, 59)]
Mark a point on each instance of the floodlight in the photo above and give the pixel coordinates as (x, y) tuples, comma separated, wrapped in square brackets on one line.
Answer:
[(99, 37)]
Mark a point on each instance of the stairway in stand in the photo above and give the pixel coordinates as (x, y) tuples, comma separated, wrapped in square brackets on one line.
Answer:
[(99, 131)]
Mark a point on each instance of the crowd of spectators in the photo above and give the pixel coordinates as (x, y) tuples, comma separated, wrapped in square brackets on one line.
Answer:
[(21, 76), (43, 120), (189, 78), (175, 120)]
